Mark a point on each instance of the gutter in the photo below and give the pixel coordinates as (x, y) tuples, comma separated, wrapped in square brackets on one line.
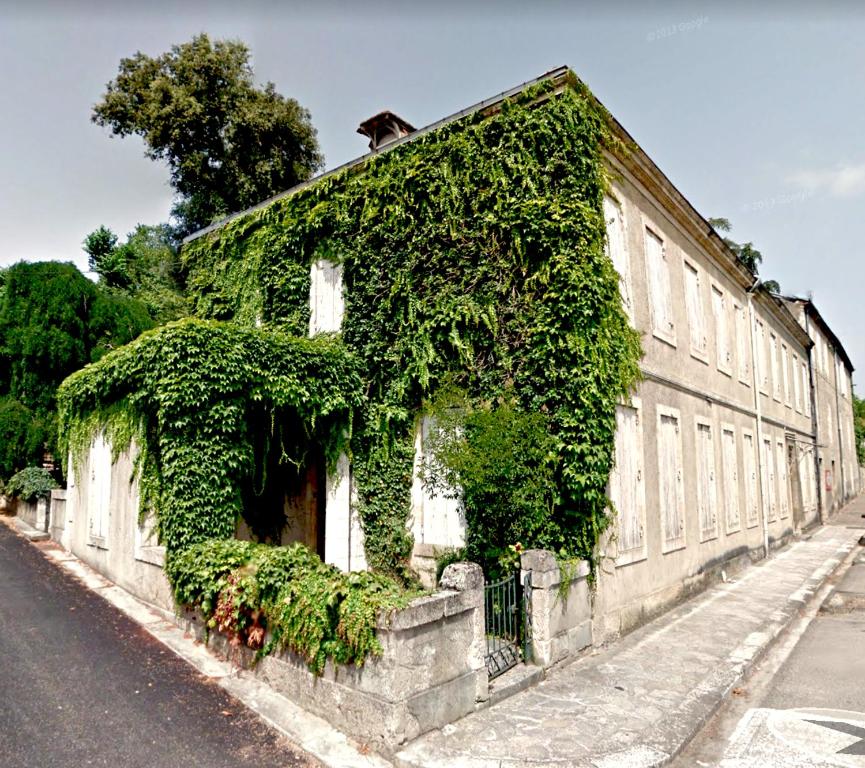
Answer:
[(812, 380), (758, 409)]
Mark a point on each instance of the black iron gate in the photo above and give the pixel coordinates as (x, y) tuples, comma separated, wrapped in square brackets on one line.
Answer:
[(507, 613)]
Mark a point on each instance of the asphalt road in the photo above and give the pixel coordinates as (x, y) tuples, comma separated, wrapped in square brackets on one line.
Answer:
[(805, 704), (82, 685)]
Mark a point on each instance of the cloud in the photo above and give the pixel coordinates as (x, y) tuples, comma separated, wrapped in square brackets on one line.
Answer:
[(841, 181)]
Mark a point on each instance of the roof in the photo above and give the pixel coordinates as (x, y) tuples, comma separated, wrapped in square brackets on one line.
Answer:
[(637, 160), (559, 73), (811, 310)]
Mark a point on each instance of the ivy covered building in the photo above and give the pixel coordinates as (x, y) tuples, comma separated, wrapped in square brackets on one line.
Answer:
[(524, 254)]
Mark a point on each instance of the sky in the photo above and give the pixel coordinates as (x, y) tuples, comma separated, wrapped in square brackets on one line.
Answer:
[(755, 114)]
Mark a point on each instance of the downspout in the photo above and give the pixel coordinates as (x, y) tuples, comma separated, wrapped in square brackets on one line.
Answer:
[(812, 381), (838, 424), (758, 409)]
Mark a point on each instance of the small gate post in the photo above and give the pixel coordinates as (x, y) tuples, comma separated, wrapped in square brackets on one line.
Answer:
[(468, 579)]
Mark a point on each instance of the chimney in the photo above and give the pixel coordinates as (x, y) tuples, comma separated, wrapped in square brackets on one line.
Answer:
[(384, 128)]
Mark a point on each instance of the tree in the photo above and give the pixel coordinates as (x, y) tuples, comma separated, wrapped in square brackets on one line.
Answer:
[(228, 144), (746, 253), (146, 268), (53, 321), (859, 427)]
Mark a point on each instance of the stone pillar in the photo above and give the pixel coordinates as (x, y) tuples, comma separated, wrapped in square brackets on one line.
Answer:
[(468, 580), (561, 618)]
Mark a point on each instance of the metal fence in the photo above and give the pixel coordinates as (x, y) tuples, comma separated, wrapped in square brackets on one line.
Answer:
[(508, 623)]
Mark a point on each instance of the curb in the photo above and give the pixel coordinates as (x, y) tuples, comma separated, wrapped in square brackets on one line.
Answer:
[(309, 732), (761, 643)]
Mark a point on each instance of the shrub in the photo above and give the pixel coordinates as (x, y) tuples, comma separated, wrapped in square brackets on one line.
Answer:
[(31, 483), (313, 609)]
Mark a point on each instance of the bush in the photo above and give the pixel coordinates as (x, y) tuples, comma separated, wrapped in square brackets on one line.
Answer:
[(504, 462), (30, 484), (244, 588)]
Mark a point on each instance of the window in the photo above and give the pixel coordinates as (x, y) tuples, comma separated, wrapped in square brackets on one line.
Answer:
[(670, 482), (99, 490), (722, 331), (743, 345), (707, 498), (806, 390), (752, 516), (769, 494), (783, 490), (797, 384), (694, 307), (762, 370), (806, 478), (730, 463), (773, 361), (660, 297), (618, 252), (785, 373), (326, 305), (627, 490)]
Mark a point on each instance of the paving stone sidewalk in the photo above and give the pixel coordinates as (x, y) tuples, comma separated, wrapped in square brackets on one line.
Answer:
[(640, 701)]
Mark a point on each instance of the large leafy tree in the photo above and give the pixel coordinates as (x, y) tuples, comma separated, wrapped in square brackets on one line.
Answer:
[(746, 253), (859, 426), (146, 267), (228, 143), (53, 320)]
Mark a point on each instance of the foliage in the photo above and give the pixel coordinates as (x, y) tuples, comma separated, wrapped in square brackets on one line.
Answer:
[(310, 608), (474, 253), (746, 253), (859, 427), (53, 320), (447, 556), (504, 462), (23, 436), (228, 143), (146, 268), (31, 483), (207, 404)]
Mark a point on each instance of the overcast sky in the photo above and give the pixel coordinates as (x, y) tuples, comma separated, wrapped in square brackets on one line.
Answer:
[(758, 116)]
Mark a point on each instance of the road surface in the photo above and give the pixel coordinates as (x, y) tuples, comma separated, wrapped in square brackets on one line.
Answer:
[(83, 685)]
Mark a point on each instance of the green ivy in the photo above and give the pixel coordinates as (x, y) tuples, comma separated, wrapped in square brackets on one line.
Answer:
[(246, 590), (472, 254), (187, 393)]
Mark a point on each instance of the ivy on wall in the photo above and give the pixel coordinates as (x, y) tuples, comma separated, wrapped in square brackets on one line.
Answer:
[(473, 254), (187, 393)]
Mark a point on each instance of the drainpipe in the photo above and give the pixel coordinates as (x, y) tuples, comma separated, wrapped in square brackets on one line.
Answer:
[(815, 421), (838, 424), (758, 409)]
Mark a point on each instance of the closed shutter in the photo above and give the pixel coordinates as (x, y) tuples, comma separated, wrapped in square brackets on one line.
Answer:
[(731, 478), (797, 385), (706, 489), (670, 481), (618, 252), (694, 306), (773, 360), (99, 489), (722, 330), (750, 467), (627, 489), (326, 302), (743, 344), (659, 287), (785, 373), (783, 489), (806, 390), (769, 489)]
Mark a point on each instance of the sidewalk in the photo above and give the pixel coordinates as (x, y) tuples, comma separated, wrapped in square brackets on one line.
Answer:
[(640, 701)]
